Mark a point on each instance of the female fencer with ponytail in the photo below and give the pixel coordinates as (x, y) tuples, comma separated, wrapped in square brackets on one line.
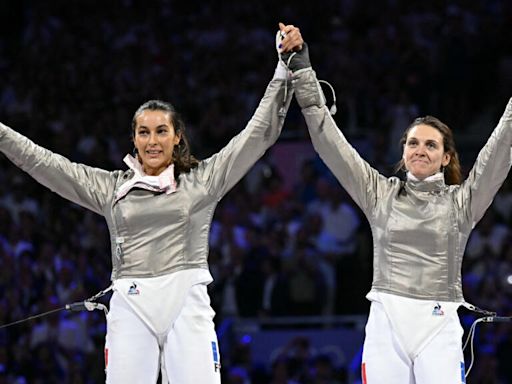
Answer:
[(158, 212), (420, 227)]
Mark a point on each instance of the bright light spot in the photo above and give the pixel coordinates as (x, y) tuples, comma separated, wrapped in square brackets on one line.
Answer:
[(246, 339)]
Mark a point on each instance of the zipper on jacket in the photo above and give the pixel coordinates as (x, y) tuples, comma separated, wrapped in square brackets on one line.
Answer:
[(119, 249)]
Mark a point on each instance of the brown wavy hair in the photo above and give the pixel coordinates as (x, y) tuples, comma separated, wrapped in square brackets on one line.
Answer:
[(181, 158), (452, 172)]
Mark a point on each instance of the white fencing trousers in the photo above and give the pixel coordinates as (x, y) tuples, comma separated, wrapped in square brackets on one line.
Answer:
[(441, 361), (188, 352)]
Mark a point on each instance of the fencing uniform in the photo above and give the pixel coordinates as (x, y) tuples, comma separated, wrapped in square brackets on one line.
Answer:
[(420, 230), (160, 311)]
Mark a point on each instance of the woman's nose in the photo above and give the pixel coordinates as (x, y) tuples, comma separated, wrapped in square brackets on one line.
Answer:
[(420, 150), (152, 138)]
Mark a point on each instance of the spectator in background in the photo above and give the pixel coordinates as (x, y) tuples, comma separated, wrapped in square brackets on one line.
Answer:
[(489, 237), (323, 371), (306, 189)]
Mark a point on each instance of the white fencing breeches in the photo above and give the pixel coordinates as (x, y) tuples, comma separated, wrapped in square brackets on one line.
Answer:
[(188, 352), (441, 361)]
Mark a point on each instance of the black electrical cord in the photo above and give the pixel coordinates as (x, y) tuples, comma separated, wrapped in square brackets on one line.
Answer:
[(86, 305)]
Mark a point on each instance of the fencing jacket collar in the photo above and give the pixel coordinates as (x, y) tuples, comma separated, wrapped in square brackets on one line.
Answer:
[(164, 182), (433, 184)]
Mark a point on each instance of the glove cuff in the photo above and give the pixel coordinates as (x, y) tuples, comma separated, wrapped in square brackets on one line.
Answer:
[(295, 61)]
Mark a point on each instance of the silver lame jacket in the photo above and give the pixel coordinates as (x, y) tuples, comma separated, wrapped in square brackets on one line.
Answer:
[(420, 229), (155, 234)]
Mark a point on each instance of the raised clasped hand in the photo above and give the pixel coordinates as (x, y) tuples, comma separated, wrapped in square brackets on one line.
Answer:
[(292, 38)]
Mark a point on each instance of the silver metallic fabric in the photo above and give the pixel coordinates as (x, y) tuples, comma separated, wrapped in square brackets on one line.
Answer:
[(420, 229), (154, 234)]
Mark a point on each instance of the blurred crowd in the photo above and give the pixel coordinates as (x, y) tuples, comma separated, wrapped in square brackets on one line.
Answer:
[(72, 74)]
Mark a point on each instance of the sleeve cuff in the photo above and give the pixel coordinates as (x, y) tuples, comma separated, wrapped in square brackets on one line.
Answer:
[(281, 71)]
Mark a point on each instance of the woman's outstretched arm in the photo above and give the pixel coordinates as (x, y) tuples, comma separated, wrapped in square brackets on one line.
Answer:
[(89, 187)]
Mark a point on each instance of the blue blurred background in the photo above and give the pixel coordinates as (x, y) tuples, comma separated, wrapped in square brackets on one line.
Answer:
[(290, 253)]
